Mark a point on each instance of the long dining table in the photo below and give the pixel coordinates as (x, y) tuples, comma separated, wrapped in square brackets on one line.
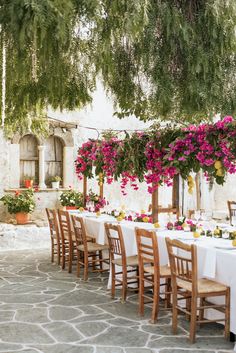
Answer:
[(216, 257)]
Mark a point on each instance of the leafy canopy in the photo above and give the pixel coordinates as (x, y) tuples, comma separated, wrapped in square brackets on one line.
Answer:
[(159, 59)]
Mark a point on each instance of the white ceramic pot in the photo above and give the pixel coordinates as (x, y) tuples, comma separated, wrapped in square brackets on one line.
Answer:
[(55, 184)]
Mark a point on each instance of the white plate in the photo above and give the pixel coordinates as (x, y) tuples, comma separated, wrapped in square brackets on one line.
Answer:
[(225, 247)]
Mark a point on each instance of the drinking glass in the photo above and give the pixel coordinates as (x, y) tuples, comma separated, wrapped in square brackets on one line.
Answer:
[(197, 215)]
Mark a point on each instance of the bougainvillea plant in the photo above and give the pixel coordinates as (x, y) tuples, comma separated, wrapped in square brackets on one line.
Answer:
[(158, 155)]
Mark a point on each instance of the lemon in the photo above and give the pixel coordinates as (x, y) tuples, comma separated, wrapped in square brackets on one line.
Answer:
[(217, 164), (81, 209), (98, 213), (196, 234), (190, 178), (190, 190), (220, 172), (145, 219), (119, 218), (156, 225), (143, 211), (184, 225), (234, 233), (234, 242), (216, 231)]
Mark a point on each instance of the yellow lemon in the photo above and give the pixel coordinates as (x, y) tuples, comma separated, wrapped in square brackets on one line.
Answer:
[(196, 234), (217, 164), (190, 178), (234, 242), (190, 190), (220, 172), (98, 213), (145, 219), (143, 211), (156, 225), (184, 225), (234, 234), (81, 209), (119, 218)]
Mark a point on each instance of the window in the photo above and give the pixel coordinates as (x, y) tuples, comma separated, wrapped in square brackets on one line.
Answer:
[(53, 158), (29, 158)]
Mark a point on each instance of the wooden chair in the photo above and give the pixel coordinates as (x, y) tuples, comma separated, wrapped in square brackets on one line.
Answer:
[(88, 253), (68, 239), (232, 209), (119, 259), (185, 283), (56, 244), (151, 272)]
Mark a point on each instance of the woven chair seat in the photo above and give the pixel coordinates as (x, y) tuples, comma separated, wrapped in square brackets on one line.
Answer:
[(130, 261), (204, 286), (164, 270), (92, 247)]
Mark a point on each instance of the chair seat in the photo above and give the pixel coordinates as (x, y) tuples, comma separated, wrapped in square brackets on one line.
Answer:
[(93, 247), (164, 270), (204, 286), (130, 261)]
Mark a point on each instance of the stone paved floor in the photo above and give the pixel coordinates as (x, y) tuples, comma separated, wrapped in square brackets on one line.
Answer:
[(44, 309)]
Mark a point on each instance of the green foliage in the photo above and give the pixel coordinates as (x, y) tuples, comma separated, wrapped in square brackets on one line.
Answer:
[(20, 201), (159, 59), (71, 198)]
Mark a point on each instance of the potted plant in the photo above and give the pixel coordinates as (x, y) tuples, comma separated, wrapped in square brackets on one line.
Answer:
[(55, 180), (28, 181), (71, 199), (21, 204)]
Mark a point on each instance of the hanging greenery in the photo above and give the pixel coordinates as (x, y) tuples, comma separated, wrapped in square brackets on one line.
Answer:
[(157, 156), (159, 59)]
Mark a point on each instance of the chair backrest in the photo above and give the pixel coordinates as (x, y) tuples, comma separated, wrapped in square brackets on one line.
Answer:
[(183, 262), (65, 225), (148, 251), (232, 209), (115, 241), (53, 223), (80, 231)]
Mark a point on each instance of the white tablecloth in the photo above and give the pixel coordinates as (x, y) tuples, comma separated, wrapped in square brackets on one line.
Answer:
[(213, 263)]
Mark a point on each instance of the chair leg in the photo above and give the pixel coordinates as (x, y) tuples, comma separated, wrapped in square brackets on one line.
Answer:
[(155, 306), (63, 256), (201, 311), (78, 263), (227, 314), (124, 287), (168, 296), (52, 250), (86, 267), (58, 253), (193, 319), (174, 312), (70, 258), (188, 307), (141, 293), (113, 280), (100, 262)]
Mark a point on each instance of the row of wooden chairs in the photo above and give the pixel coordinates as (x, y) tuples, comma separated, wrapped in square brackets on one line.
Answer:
[(70, 241), (180, 279)]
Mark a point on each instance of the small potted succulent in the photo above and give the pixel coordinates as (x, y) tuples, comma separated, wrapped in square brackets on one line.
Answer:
[(71, 199), (55, 180), (21, 204), (28, 181)]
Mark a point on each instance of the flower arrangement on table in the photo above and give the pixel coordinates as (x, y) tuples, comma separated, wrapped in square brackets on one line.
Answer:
[(143, 217), (19, 202), (71, 198), (182, 224), (99, 202)]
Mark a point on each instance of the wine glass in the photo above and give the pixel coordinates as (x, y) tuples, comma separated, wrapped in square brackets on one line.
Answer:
[(197, 215), (233, 221)]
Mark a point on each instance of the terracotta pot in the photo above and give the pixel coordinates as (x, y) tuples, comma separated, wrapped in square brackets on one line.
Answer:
[(71, 208), (22, 218), (28, 183)]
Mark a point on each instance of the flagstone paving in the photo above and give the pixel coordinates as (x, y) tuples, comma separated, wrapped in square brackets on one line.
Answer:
[(44, 309)]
